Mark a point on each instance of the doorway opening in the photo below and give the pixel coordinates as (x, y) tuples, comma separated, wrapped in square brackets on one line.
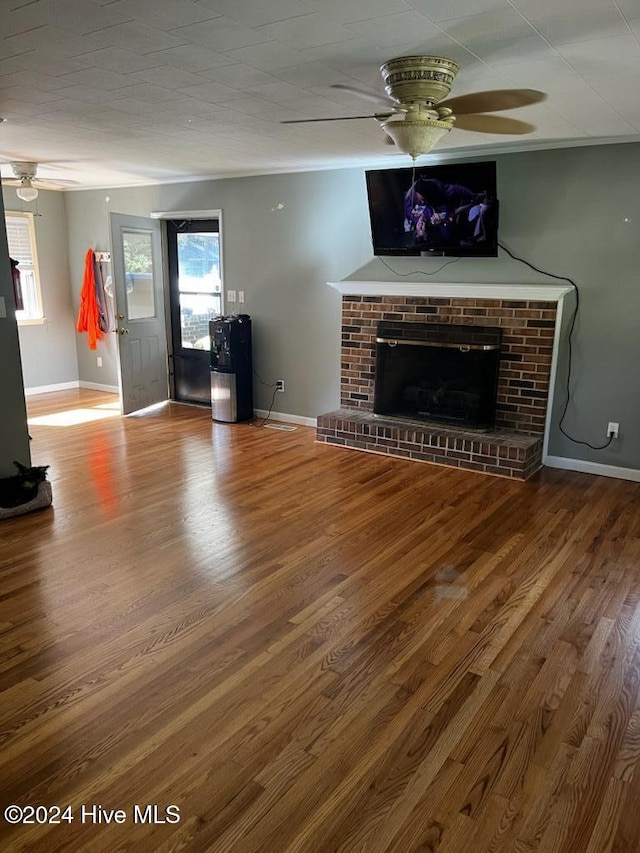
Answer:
[(195, 297)]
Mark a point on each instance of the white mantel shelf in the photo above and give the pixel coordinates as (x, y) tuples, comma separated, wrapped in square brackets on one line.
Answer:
[(541, 292)]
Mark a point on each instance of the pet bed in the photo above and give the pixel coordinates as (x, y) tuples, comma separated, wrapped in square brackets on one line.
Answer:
[(42, 499)]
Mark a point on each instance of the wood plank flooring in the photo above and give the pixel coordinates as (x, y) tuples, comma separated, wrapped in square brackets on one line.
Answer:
[(310, 649)]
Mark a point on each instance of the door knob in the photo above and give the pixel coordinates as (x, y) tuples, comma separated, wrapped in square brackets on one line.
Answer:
[(121, 331), (120, 316)]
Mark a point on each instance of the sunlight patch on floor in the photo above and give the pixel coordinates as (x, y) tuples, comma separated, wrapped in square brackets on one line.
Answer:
[(148, 409), (73, 417), (114, 406)]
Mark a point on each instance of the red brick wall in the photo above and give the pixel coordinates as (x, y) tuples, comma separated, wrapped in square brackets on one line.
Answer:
[(527, 343)]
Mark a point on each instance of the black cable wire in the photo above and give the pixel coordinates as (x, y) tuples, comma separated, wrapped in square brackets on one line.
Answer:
[(262, 382), (570, 347), (273, 385), (268, 415), (418, 272)]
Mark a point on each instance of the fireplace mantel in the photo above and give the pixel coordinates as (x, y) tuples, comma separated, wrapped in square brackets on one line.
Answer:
[(540, 292)]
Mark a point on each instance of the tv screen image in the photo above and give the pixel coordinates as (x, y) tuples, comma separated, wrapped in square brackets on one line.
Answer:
[(441, 210)]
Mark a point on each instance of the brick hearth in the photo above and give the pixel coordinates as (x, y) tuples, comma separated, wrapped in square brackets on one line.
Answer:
[(508, 454), (514, 449)]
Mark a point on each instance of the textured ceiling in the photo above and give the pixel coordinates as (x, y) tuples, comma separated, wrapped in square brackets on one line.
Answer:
[(122, 92)]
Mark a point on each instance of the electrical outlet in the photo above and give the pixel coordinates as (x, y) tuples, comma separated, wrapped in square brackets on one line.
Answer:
[(99, 361), (231, 296), (612, 429), (241, 296), (280, 385)]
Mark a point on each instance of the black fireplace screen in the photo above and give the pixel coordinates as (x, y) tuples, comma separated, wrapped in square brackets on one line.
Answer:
[(437, 372)]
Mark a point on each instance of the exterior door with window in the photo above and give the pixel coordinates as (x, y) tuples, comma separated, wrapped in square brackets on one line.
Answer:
[(142, 339), (195, 296)]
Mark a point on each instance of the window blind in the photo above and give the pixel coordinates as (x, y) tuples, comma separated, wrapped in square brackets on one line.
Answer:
[(19, 240)]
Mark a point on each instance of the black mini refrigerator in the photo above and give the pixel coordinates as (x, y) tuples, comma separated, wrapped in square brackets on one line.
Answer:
[(231, 369)]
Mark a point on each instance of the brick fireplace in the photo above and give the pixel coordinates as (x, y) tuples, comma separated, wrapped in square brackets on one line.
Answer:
[(530, 319)]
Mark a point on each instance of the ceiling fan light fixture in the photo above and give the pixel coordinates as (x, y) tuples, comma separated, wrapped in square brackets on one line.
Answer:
[(27, 192), (416, 136)]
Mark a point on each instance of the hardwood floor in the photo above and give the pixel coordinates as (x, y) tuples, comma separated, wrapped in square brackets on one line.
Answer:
[(310, 649)]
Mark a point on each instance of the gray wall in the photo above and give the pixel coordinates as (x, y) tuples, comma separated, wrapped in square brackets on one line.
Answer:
[(87, 216), (14, 438), (49, 349), (564, 211), (281, 258)]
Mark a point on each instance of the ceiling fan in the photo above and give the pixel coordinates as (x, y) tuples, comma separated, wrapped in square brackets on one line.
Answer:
[(418, 117), (28, 184)]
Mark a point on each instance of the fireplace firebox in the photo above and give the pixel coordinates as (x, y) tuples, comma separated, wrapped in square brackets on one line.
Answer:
[(435, 372)]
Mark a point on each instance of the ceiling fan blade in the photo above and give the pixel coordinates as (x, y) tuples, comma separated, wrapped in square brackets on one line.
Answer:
[(362, 93), (493, 101), (379, 116), (40, 183), (53, 182), (493, 124)]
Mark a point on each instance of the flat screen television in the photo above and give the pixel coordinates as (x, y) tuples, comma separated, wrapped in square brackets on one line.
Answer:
[(449, 209)]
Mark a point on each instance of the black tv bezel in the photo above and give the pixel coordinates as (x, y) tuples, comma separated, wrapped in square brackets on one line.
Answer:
[(437, 170)]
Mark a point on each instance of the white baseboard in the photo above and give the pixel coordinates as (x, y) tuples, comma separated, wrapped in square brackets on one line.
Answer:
[(96, 386), (47, 389), (592, 468), (282, 416), (67, 386)]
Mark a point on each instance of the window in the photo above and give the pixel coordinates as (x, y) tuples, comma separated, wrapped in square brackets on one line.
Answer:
[(138, 274), (196, 285), (21, 238)]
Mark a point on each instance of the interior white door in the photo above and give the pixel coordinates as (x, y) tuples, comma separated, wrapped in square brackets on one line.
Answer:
[(136, 255)]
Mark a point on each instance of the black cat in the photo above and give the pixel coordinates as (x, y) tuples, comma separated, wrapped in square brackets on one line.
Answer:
[(23, 486)]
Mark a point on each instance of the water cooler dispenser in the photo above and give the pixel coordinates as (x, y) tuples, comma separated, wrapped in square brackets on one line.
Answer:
[(231, 369)]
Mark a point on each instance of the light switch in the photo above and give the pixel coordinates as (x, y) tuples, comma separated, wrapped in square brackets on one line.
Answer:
[(231, 296), (241, 296)]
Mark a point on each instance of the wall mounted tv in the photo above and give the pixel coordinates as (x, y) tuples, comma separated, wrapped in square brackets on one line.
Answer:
[(450, 209)]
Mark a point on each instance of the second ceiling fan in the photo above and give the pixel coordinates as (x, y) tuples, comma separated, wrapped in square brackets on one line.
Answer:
[(26, 180)]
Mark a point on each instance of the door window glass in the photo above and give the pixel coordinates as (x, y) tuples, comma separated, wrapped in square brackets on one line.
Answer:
[(199, 285), (138, 274)]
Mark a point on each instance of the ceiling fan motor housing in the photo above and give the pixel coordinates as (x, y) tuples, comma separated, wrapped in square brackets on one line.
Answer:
[(24, 170), (410, 79)]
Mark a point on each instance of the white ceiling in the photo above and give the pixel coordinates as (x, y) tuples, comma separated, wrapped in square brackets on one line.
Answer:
[(123, 92)]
